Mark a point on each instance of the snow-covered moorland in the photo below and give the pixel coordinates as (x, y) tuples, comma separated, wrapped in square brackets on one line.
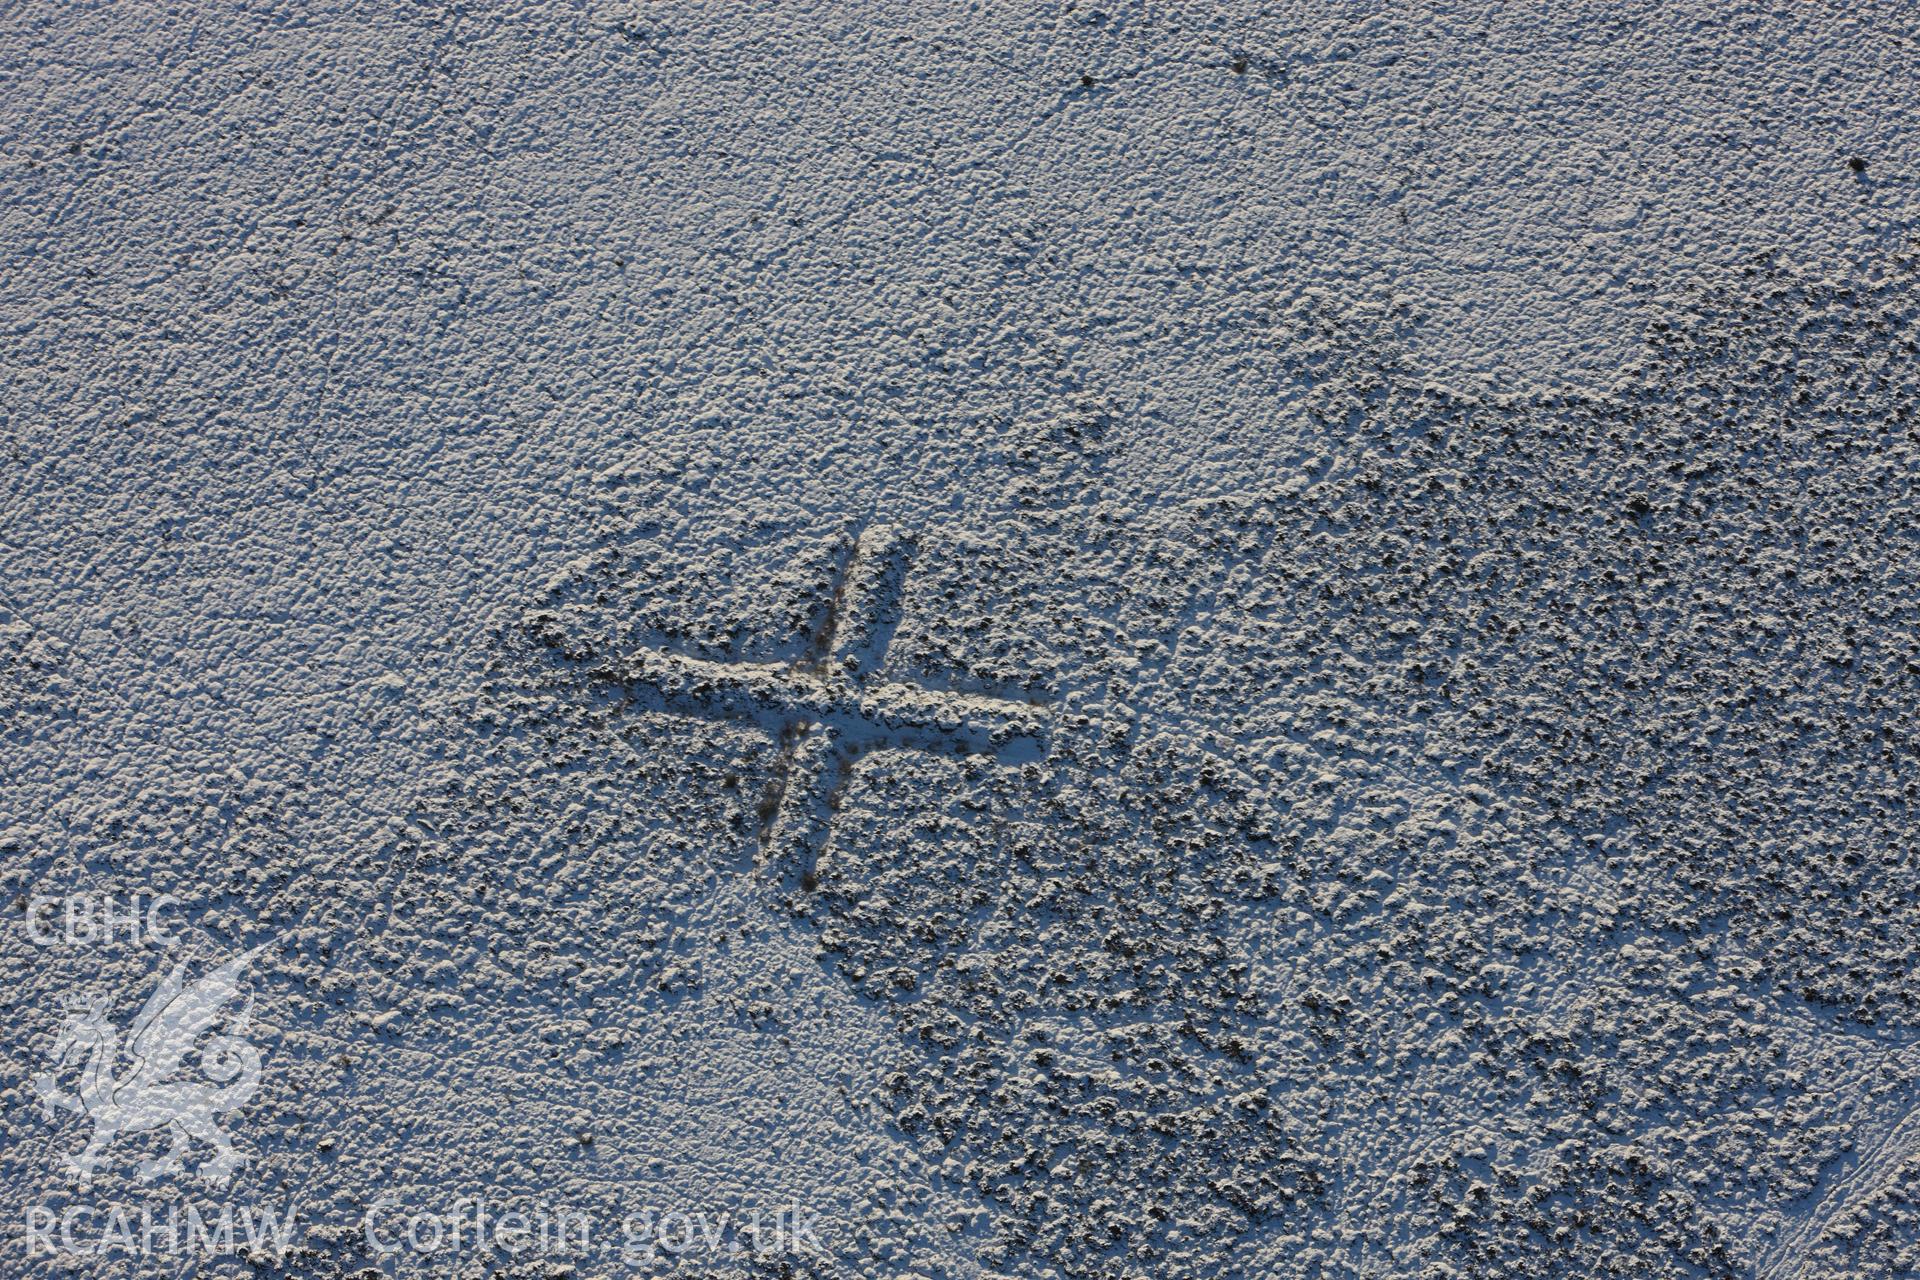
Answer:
[(1072, 641)]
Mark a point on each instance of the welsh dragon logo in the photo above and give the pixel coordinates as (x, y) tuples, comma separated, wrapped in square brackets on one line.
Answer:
[(151, 1093)]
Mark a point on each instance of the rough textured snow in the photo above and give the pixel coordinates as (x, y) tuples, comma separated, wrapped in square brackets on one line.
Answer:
[(1357, 568)]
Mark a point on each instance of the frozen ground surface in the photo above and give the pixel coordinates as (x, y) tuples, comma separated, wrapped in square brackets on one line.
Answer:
[(1402, 520)]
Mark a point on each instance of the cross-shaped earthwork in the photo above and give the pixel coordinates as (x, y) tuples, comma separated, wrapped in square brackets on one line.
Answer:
[(830, 707)]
